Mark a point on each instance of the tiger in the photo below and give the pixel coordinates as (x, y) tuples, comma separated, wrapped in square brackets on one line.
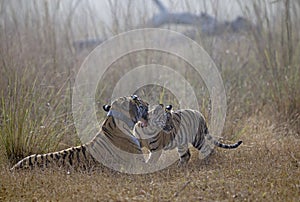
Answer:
[(124, 113), (169, 129)]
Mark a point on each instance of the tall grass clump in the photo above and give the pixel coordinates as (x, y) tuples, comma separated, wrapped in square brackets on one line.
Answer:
[(277, 51), (35, 79), (29, 123)]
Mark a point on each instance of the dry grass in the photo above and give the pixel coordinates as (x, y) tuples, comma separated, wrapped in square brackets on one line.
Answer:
[(265, 168)]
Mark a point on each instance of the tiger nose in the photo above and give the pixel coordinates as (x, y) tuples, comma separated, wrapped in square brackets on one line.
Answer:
[(145, 115)]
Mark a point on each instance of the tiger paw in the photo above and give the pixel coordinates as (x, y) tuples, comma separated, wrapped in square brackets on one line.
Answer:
[(182, 164)]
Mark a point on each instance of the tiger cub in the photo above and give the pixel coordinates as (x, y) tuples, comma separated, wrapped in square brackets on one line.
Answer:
[(176, 129)]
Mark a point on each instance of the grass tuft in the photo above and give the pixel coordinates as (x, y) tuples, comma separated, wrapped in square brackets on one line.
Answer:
[(29, 124)]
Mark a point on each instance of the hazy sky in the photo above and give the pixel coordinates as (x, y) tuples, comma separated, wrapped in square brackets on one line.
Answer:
[(91, 18)]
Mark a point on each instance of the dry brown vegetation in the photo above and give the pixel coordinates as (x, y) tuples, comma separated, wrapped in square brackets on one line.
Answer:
[(265, 168), (261, 74)]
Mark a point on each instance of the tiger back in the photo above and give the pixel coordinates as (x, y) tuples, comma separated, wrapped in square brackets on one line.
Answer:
[(114, 136)]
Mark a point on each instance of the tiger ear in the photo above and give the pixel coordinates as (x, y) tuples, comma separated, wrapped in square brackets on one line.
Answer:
[(134, 97), (169, 107), (106, 107)]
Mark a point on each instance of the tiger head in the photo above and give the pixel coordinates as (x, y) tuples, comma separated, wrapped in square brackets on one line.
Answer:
[(129, 109), (161, 117)]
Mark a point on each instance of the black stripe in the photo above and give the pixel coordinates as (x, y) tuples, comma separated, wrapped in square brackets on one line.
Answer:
[(46, 160), (109, 125), (64, 154), (182, 125), (199, 139), (42, 158), (206, 129), (108, 134), (77, 154), (71, 156), (228, 146), (83, 149), (21, 164), (154, 140), (29, 161), (196, 143), (114, 122), (187, 153), (93, 159), (153, 149), (57, 156), (35, 159), (177, 115)]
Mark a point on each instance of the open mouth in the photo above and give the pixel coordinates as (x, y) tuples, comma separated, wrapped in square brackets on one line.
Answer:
[(144, 122)]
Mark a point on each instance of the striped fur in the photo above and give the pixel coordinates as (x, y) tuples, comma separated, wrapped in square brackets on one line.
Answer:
[(74, 157), (184, 126), (114, 144)]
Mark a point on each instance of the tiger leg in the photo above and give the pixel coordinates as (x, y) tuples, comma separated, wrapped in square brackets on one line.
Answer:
[(205, 150), (154, 156), (184, 153), (202, 143)]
